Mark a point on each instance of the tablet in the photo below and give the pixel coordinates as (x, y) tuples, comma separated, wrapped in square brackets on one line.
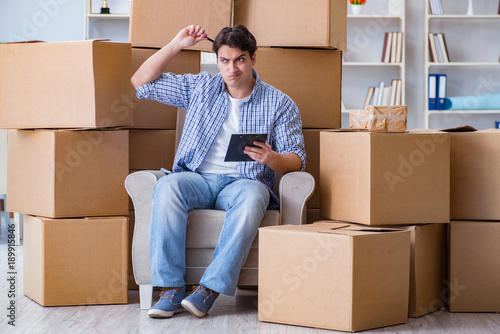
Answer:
[(237, 145)]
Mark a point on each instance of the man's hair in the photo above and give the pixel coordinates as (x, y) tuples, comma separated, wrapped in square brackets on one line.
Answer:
[(237, 36)]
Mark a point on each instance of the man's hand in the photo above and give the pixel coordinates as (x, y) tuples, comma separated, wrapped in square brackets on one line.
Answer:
[(280, 163), (189, 36), (153, 67)]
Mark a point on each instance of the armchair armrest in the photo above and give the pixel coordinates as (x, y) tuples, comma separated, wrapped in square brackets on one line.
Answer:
[(295, 189), (140, 187)]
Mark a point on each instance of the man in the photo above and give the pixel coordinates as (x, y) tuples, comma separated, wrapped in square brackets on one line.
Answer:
[(234, 101)]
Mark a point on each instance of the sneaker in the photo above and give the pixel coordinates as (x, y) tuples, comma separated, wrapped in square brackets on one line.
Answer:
[(169, 303), (200, 301)]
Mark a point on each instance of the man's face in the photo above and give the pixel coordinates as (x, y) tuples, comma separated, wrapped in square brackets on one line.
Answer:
[(236, 67)]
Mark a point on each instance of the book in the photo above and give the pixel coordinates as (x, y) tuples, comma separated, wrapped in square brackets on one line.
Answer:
[(392, 98), (441, 91), (375, 96), (432, 49), (439, 8), (442, 45), (432, 7), (385, 96), (438, 49), (384, 46), (399, 47), (399, 92), (387, 54), (380, 94), (368, 98), (394, 46), (432, 91)]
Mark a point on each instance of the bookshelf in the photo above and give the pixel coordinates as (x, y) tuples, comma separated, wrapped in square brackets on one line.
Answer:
[(112, 26), (473, 63), (362, 65)]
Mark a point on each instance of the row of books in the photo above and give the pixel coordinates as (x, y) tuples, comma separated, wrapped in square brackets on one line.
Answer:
[(438, 52), (437, 91), (384, 95), (393, 47)]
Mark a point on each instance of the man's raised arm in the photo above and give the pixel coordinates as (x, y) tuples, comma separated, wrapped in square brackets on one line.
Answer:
[(154, 66)]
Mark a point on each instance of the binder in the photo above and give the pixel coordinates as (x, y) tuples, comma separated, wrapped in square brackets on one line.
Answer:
[(433, 91), (441, 89)]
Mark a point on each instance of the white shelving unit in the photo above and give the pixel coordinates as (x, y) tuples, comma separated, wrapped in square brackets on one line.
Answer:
[(120, 10), (460, 70), (362, 66)]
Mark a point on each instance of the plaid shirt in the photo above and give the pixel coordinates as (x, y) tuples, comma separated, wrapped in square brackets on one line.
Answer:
[(267, 110)]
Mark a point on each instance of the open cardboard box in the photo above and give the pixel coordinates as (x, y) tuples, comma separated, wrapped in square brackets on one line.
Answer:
[(334, 275)]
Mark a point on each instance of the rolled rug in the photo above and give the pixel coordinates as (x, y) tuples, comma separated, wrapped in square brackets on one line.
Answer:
[(473, 102)]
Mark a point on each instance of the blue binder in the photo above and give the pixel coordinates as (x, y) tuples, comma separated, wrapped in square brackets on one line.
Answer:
[(441, 91), (433, 89)]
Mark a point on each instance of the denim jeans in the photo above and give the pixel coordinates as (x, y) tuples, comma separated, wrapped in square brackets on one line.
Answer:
[(245, 202)]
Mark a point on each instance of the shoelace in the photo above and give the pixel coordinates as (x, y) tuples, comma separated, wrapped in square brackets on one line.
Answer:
[(168, 293), (204, 292)]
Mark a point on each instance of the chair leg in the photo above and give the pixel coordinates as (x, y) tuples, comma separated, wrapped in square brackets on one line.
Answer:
[(146, 296)]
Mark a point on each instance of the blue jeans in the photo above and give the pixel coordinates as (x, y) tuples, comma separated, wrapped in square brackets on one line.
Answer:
[(245, 202)]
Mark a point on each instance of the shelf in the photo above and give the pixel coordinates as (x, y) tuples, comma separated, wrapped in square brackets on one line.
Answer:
[(374, 16), (108, 16), (353, 63), (463, 16), (487, 111), (451, 64)]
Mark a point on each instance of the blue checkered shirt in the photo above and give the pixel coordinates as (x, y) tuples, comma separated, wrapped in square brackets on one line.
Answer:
[(267, 110)]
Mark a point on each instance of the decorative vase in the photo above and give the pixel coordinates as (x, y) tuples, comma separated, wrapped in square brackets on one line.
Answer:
[(356, 9), (470, 9)]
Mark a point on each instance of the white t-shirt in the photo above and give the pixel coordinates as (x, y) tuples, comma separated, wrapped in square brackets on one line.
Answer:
[(214, 160)]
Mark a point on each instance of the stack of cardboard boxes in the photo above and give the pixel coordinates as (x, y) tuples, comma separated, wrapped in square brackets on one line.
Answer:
[(62, 103), (300, 53), (474, 270)]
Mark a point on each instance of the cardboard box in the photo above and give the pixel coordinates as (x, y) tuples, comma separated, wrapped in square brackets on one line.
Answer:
[(333, 276), (474, 270), (78, 261), (152, 149), (382, 178), (152, 114), (322, 25), (379, 118), (64, 173), (154, 23), (475, 185), (82, 84), (314, 84), (428, 268), (311, 139)]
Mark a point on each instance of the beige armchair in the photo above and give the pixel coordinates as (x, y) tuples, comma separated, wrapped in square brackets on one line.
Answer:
[(204, 227)]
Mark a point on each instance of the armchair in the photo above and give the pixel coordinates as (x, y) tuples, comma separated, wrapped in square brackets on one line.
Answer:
[(204, 227)]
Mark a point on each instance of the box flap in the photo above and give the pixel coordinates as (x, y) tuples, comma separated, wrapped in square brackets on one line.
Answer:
[(463, 128)]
